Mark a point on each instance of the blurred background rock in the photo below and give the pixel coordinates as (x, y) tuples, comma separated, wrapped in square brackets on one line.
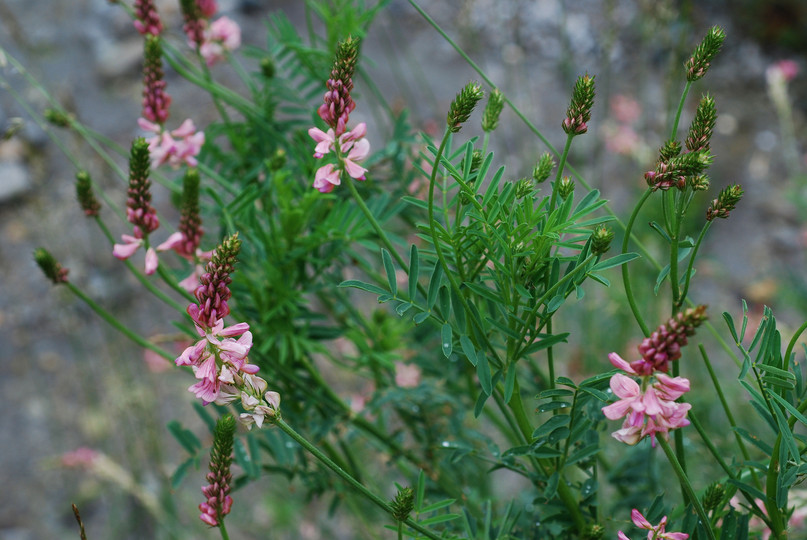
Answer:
[(70, 381)]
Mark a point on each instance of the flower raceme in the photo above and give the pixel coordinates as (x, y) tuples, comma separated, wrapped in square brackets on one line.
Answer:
[(657, 532), (648, 409), (176, 147), (220, 359), (350, 148)]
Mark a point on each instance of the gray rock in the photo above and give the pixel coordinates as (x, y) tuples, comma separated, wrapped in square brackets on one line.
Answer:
[(15, 180)]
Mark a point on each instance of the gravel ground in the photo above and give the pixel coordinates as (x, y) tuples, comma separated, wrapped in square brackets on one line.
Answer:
[(74, 383)]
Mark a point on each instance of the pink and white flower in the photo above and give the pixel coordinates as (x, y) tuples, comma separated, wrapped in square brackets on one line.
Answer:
[(657, 532), (222, 36)]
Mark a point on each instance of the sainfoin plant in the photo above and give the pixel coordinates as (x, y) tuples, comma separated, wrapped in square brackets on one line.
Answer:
[(383, 320)]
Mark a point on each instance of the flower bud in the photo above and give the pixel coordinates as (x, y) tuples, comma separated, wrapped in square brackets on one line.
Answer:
[(84, 194), (670, 150), (463, 105), (601, 240), (579, 111), (725, 203), (490, 118), (700, 132), (699, 183), (594, 531), (50, 266), (218, 502), (268, 68), (58, 118), (713, 496), (544, 168), (698, 64), (403, 503), (565, 187), (524, 187), (277, 161)]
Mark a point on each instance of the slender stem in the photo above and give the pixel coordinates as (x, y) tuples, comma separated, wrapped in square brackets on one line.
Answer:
[(561, 167), (778, 526), (682, 477), (358, 486), (707, 440), (681, 102), (790, 347), (115, 323), (625, 273), (692, 257), (171, 282), (223, 530), (382, 235)]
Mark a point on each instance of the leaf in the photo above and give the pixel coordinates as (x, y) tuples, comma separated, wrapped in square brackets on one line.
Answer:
[(389, 268), (730, 323), (184, 437), (459, 310), (545, 343), (793, 410), (436, 506), (446, 339), (616, 260), (509, 383), (182, 470), (414, 269), (468, 349), (483, 373), (480, 403), (439, 519), (434, 285), (566, 381), (369, 287), (420, 317), (557, 421), (555, 303)]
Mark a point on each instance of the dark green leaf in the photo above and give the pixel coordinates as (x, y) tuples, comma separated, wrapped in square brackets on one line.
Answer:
[(414, 269), (389, 268), (447, 338), (369, 287)]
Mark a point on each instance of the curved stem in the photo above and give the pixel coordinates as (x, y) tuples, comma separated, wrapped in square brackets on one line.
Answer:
[(561, 167), (358, 486), (684, 480), (117, 325), (625, 274)]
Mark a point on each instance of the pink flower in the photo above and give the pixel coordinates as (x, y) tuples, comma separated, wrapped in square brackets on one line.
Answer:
[(207, 8), (649, 412), (223, 35), (784, 69), (407, 375), (326, 178), (181, 145), (358, 152), (655, 533), (80, 457), (325, 141), (130, 245)]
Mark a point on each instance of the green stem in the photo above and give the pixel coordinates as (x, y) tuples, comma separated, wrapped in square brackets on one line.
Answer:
[(707, 440), (681, 102), (115, 323), (625, 273), (358, 486), (691, 263), (174, 284), (561, 167), (382, 235), (223, 530), (778, 525), (682, 477)]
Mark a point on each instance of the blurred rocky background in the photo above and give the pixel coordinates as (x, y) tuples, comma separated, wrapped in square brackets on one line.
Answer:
[(70, 381)]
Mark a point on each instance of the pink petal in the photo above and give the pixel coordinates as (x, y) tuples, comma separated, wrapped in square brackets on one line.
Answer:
[(234, 330), (629, 436), (617, 410), (619, 363), (354, 171), (621, 536), (624, 387), (639, 520), (124, 251), (151, 261), (186, 129), (360, 150), (172, 242), (148, 126)]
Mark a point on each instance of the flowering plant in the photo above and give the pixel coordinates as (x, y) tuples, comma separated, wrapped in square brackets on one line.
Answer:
[(468, 369)]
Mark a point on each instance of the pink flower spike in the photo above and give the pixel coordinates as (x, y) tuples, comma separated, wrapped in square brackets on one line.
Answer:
[(128, 248), (656, 533), (326, 178), (151, 261), (325, 141)]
